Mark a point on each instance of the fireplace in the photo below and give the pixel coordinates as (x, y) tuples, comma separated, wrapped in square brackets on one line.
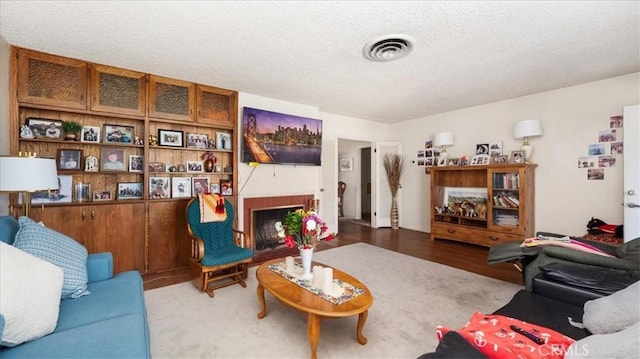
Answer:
[(261, 214)]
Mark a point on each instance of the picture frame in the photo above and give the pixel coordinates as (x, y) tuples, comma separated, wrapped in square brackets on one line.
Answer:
[(197, 140), (226, 187), (200, 185), (195, 167), (457, 195), (170, 138), (129, 190), (500, 159), (61, 195), (441, 161), (215, 188), (136, 163), (102, 196), (517, 156), (45, 129), (181, 187), (91, 164), (223, 141), (159, 187), (453, 161), (69, 160), (112, 159), (156, 167), (479, 160), (346, 164), (90, 134), (82, 192), (118, 134)]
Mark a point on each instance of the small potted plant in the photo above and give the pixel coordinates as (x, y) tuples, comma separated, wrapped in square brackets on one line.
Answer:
[(71, 130)]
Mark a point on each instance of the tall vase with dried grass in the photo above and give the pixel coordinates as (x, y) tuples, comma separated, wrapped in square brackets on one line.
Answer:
[(393, 165)]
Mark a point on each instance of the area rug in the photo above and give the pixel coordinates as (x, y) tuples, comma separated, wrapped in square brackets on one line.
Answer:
[(411, 297)]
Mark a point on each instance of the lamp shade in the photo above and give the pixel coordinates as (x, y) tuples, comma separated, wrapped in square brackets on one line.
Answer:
[(443, 139), (27, 174), (527, 128)]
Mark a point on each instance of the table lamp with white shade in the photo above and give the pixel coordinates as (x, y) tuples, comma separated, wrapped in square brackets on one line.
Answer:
[(526, 129), (26, 175), (442, 140)]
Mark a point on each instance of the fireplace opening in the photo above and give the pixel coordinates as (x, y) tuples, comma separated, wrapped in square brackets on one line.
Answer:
[(264, 231)]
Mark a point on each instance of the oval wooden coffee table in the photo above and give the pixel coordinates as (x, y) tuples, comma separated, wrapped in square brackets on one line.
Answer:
[(317, 308)]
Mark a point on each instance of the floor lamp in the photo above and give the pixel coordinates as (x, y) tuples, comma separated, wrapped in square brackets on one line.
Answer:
[(26, 175)]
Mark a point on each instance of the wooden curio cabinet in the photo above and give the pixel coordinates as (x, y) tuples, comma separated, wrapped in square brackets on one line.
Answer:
[(44, 79), (171, 99), (484, 205), (118, 91), (145, 233)]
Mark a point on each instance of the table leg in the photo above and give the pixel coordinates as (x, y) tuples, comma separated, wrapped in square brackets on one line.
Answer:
[(263, 304), (362, 318), (313, 332)]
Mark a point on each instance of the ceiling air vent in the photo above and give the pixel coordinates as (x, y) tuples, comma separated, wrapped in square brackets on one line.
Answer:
[(388, 48)]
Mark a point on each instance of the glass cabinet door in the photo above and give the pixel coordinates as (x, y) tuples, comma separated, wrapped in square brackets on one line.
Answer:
[(171, 99), (117, 90), (505, 200)]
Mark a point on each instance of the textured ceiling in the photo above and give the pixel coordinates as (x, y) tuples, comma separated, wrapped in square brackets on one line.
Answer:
[(310, 52)]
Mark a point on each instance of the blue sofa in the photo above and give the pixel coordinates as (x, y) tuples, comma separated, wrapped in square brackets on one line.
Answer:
[(111, 322)]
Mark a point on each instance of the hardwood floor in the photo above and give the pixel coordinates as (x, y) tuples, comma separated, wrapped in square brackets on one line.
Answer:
[(464, 256), (460, 255)]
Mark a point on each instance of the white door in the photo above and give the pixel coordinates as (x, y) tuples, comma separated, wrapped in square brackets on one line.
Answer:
[(631, 129), (381, 192), (329, 188)]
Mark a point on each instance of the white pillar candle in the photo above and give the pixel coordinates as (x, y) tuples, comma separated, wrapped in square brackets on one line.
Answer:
[(317, 277), (327, 280), (289, 264)]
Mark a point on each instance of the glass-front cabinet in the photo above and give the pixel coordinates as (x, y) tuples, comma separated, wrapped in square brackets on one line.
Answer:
[(118, 90)]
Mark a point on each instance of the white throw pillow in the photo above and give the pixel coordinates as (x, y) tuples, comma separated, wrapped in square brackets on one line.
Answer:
[(614, 312), (622, 344), (30, 295)]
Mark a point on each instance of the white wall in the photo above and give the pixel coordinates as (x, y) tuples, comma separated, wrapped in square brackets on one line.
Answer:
[(4, 112), (571, 118)]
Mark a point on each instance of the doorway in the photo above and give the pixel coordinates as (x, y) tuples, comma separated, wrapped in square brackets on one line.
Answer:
[(365, 184)]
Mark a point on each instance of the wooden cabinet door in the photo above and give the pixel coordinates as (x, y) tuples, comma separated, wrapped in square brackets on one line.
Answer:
[(118, 229), (51, 80), (68, 220), (171, 99), (216, 106), (169, 244), (117, 90)]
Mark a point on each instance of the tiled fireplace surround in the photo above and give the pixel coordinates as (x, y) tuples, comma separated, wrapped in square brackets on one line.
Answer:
[(261, 203)]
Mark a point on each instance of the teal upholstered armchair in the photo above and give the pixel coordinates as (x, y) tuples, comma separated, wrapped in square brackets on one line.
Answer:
[(220, 254)]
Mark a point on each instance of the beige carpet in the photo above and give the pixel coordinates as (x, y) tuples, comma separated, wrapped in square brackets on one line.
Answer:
[(411, 297)]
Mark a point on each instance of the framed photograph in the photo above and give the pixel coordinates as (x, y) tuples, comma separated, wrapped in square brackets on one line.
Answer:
[(102, 195), (61, 195), (136, 163), (180, 187), (118, 134), (159, 187), (223, 139), (82, 192), (156, 167), (90, 134), (482, 149), (517, 156), (441, 162), (346, 164), (479, 160), (45, 129), (170, 138), (200, 185), (215, 188), (226, 187), (194, 166), (495, 148), (130, 190), (453, 161), (455, 196), (500, 159), (69, 160), (112, 159), (91, 164), (197, 140)]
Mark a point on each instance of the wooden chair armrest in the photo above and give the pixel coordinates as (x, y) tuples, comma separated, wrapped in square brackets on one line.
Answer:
[(242, 239), (197, 249)]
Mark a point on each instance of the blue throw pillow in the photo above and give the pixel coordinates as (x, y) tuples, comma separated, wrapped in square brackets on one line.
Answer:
[(58, 249), (1, 325)]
